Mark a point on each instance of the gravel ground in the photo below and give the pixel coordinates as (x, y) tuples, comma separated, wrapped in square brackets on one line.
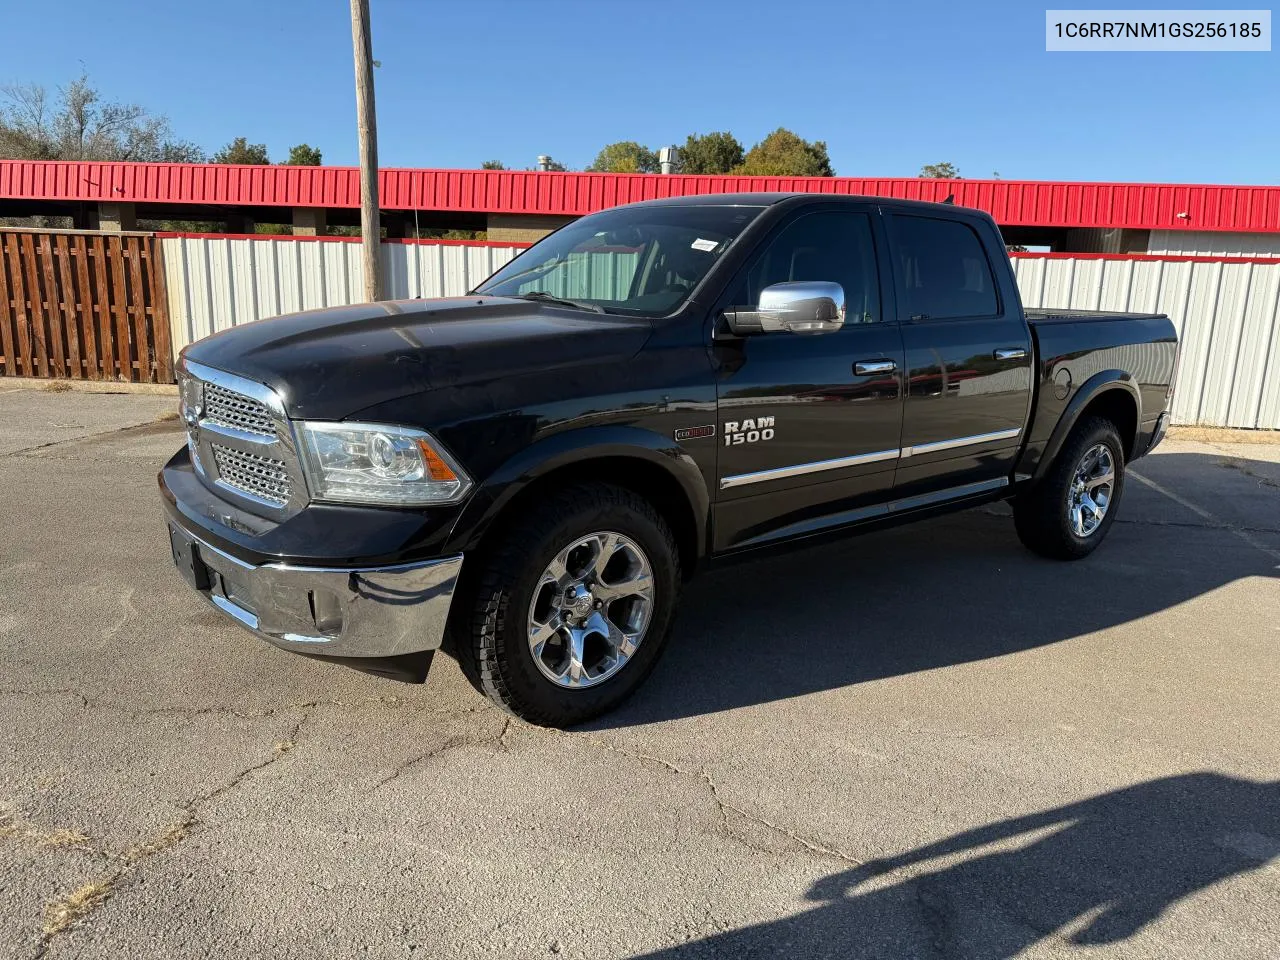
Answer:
[(922, 742)]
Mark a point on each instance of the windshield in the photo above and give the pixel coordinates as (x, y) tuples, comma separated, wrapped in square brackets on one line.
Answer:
[(634, 260)]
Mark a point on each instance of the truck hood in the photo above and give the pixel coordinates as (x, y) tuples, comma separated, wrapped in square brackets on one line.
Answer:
[(329, 364)]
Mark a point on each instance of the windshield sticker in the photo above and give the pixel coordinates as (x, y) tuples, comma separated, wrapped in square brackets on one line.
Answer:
[(707, 245)]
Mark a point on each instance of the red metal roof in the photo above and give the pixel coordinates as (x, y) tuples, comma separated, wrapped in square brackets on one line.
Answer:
[(1011, 202)]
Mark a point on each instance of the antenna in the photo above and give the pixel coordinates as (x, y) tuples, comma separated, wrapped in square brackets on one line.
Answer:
[(951, 199)]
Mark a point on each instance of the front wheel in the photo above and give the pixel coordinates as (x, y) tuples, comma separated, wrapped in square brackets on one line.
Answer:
[(574, 606), (1069, 510)]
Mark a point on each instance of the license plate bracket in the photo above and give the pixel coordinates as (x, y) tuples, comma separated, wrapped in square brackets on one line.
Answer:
[(186, 557)]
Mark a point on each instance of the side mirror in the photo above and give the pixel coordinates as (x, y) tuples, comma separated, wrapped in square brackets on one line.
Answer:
[(801, 306)]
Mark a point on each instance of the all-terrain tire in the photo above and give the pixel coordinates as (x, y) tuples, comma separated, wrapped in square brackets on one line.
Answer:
[(493, 645), (1043, 515)]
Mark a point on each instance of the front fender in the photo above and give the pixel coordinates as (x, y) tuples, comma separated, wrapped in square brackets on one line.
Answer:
[(563, 451), (1086, 393)]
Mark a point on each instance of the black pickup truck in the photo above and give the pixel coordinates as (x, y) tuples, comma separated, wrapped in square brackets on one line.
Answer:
[(527, 475)]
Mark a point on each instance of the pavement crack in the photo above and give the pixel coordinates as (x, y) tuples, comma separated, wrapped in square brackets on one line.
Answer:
[(61, 915), (52, 692), (1235, 463), (451, 744), (725, 807), (93, 436)]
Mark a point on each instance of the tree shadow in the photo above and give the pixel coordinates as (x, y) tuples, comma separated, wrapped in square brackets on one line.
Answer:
[(1096, 872), (946, 591)]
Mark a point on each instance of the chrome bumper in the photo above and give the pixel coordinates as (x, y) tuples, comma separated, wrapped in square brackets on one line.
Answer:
[(335, 612), (1157, 434)]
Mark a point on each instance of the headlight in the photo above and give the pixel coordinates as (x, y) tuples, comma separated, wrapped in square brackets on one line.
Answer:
[(191, 399), (370, 463)]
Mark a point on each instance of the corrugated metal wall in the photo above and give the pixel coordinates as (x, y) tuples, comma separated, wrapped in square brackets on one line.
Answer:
[(1227, 314), (1145, 206), (1212, 243), (217, 283)]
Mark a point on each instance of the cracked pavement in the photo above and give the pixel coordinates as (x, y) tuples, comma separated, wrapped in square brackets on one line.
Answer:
[(921, 742)]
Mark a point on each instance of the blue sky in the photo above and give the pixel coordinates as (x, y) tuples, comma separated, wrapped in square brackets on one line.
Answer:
[(888, 86)]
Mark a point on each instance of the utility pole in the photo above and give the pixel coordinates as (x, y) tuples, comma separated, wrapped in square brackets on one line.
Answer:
[(367, 121)]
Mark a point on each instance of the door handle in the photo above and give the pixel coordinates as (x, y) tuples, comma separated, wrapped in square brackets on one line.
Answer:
[(865, 368), (1009, 353)]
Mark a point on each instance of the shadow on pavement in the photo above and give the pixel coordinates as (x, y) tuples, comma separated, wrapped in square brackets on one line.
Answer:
[(1103, 868), (947, 591)]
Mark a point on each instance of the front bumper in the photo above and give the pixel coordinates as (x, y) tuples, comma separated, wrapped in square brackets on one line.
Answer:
[(325, 611)]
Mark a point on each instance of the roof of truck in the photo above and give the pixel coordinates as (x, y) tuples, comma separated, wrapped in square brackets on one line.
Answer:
[(768, 199)]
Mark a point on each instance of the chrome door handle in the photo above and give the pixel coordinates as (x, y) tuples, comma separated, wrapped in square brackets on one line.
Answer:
[(1009, 353), (865, 368)]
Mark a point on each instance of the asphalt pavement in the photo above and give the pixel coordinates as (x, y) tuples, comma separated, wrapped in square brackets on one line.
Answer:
[(924, 742)]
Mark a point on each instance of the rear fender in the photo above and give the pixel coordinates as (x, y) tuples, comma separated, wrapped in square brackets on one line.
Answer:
[(1100, 383)]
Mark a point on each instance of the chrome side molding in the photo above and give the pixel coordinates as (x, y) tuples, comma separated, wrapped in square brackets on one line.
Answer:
[(778, 473), (818, 466), (920, 448)]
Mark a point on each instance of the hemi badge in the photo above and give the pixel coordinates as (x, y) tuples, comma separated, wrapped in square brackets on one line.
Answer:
[(696, 433)]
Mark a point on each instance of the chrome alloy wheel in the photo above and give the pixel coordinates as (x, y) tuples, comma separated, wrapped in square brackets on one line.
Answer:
[(1091, 490), (590, 610)]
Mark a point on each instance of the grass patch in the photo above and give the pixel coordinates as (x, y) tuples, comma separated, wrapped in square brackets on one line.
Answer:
[(62, 914), (62, 838), (1224, 435), (44, 838), (57, 386)]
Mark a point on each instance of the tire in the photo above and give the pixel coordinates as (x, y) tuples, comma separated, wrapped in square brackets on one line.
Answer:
[(1046, 516), (514, 598)]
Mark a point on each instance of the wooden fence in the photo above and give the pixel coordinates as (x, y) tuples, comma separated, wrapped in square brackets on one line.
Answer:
[(86, 306)]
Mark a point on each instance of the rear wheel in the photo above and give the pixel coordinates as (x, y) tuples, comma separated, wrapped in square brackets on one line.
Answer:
[(1069, 511), (574, 606)]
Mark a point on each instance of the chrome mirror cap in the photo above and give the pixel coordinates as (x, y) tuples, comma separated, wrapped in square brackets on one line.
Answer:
[(800, 306)]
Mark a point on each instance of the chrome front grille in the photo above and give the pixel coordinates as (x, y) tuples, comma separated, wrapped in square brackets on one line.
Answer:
[(258, 476), (241, 441), (230, 409)]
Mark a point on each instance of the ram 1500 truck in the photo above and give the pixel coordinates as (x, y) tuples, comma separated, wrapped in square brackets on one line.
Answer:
[(528, 474)]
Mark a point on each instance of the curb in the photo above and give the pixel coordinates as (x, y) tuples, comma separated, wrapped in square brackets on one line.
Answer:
[(8, 384)]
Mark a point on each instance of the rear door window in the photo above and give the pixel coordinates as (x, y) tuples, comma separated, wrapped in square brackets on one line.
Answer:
[(942, 270)]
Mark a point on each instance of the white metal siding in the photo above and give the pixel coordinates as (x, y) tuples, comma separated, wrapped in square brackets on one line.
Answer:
[(1226, 315), (216, 283), (1212, 243)]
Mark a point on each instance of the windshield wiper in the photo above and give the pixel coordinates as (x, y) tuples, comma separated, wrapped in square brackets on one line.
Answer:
[(541, 296)]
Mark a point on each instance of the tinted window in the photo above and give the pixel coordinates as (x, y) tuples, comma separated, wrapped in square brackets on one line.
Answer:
[(632, 260), (821, 246), (942, 269)]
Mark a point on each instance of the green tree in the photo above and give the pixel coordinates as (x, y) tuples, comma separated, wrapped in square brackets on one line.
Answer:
[(783, 154), (79, 124), (625, 156), (493, 165), (718, 152), (555, 166), (940, 171), (303, 155), (238, 151)]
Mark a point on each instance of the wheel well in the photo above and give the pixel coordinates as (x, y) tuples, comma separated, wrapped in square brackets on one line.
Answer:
[(640, 476), (1120, 408)]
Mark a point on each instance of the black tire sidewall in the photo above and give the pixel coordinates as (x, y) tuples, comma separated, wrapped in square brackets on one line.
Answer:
[(534, 696), (1095, 431)]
